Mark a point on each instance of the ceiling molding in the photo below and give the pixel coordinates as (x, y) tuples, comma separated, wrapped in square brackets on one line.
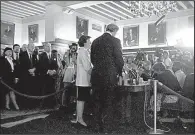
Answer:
[(113, 6), (33, 18), (29, 3), (97, 12), (15, 10), (18, 8), (192, 3), (25, 7), (86, 4), (113, 12), (9, 18), (105, 12), (182, 4), (123, 8), (93, 15), (171, 15), (13, 14)]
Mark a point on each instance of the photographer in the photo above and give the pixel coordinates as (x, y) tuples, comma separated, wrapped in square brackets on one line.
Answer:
[(69, 73)]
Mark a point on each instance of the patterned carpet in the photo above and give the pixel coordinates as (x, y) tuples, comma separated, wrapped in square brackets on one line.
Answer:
[(58, 122)]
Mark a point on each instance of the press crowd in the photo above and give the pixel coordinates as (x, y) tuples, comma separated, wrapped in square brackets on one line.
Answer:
[(87, 72)]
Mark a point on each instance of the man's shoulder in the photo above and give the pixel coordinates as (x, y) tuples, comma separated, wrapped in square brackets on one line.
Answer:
[(42, 54)]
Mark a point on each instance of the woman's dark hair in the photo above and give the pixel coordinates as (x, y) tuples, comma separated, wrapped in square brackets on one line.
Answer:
[(7, 48), (82, 40)]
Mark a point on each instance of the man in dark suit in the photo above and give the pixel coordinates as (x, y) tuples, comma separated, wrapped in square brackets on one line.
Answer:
[(106, 57), (16, 60), (28, 65), (47, 69)]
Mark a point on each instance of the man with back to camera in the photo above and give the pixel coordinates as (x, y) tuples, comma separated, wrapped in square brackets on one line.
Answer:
[(106, 57)]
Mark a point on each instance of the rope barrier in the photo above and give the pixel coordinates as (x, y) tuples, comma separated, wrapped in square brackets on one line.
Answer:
[(175, 93), (29, 96)]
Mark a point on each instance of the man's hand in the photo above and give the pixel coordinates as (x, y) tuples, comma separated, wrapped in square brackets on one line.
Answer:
[(51, 72), (32, 71)]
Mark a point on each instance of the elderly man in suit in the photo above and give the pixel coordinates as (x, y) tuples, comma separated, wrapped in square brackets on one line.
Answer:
[(106, 57), (28, 65), (47, 70)]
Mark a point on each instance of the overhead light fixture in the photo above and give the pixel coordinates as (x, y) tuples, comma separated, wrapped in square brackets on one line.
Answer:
[(149, 8), (68, 10)]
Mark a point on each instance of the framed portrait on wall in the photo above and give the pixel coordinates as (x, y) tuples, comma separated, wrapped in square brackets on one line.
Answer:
[(97, 27), (7, 33), (130, 36), (156, 34), (191, 21), (81, 27), (33, 33)]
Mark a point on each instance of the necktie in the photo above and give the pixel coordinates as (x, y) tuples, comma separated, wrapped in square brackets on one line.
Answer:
[(31, 60), (17, 57), (30, 56)]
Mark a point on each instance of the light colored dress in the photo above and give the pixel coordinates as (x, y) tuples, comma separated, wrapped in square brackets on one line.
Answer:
[(84, 66), (70, 71)]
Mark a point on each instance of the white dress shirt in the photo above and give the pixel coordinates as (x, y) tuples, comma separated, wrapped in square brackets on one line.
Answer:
[(83, 68), (14, 55), (180, 75), (9, 59)]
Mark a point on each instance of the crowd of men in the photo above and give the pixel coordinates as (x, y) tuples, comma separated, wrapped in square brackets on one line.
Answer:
[(34, 74)]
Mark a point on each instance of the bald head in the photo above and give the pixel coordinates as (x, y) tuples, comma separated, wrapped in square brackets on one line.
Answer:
[(24, 47), (31, 47), (47, 47)]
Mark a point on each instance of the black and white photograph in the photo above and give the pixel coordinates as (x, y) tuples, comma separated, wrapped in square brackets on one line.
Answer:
[(130, 36), (156, 34), (97, 67), (81, 27), (7, 33), (33, 31)]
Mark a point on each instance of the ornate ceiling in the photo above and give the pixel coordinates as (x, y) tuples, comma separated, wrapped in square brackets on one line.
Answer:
[(110, 10)]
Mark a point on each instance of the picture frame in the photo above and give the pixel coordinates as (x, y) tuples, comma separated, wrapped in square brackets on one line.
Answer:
[(97, 27), (7, 33), (130, 36), (81, 27), (33, 36), (157, 34)]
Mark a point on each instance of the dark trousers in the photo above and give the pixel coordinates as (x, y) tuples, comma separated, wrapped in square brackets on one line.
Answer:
[(104, 101), (27, 85), (48, 87)]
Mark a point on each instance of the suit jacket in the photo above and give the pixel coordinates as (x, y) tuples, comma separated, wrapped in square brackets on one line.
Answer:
[(26, 63), (169, 79), (6, 71), (45, 64), (106, 57), (188, 88), (17, 69)]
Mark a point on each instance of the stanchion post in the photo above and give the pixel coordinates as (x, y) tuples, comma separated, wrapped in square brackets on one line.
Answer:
[(155, 131)]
